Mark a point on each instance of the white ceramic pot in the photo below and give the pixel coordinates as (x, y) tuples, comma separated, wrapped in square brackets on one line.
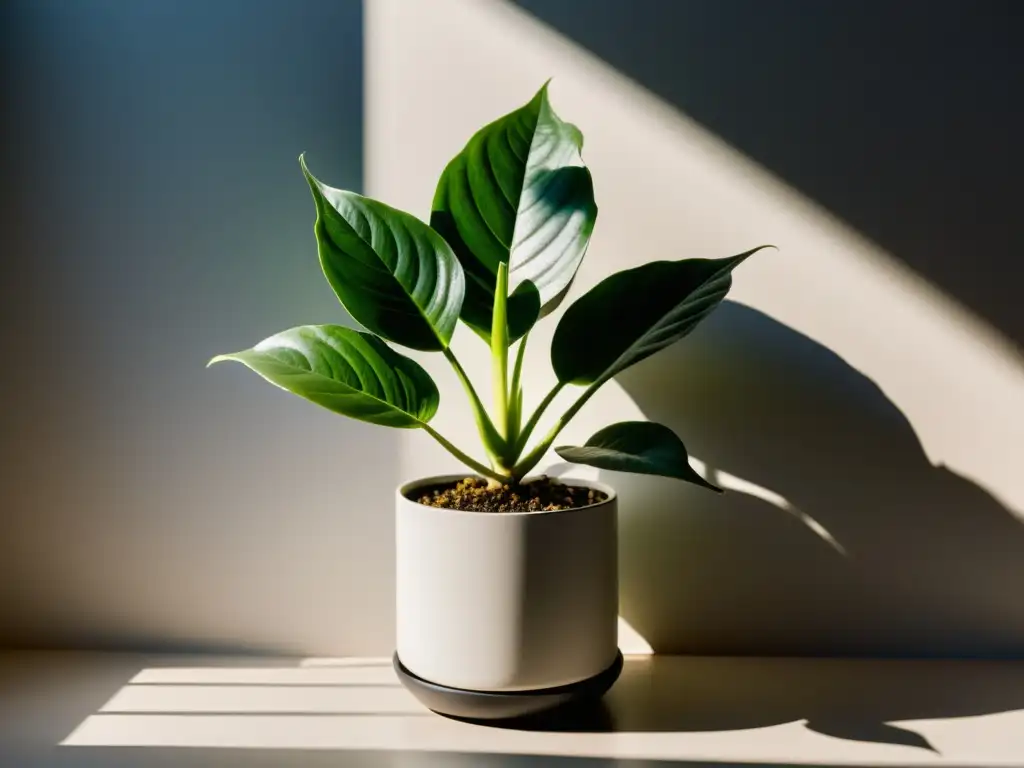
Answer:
[(490, 601)]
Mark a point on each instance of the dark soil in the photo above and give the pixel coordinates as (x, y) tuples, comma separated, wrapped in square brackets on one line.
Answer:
[(541, 495)]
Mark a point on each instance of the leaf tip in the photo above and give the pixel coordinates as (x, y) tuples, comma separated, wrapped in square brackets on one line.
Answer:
[(219, 359), (315, 188), (542, 94), (313, 182), (698, 479)]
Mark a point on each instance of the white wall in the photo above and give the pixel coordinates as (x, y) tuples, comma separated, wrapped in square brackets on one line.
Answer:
[(870, 426), (156, 215)]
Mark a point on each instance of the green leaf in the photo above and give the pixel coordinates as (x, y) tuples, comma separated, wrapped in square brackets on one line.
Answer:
[(395, 275), (635, 313), (345, 371), (642, 447), (517, 193)]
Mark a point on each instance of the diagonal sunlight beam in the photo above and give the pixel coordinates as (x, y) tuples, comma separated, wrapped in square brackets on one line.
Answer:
[(353, 673), (652, 717), (352, 699), (665, 184)]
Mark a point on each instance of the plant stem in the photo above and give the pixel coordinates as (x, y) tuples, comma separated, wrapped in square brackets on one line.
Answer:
[(515, 396), (517, 370), (464, 458), (499, 351), (524, 435), (493, 442), (529, 461)]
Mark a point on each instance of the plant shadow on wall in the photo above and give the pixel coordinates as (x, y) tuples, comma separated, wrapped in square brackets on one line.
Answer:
[(843, 539), (837, 535), (880, 554)]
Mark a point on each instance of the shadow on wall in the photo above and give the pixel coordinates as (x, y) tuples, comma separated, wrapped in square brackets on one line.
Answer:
[(923, 562)]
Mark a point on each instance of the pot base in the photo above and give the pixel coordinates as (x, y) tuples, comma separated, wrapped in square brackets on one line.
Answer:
[(504, 705)]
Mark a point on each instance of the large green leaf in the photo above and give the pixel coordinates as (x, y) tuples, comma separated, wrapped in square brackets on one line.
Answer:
[(517, 193), (642, 447), (635, 313), (346, 371), (393, 273)]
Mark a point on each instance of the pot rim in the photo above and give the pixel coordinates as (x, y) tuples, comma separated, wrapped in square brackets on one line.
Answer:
[(405, 488)]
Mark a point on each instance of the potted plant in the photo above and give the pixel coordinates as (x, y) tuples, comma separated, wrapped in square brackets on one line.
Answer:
[(507, 593)]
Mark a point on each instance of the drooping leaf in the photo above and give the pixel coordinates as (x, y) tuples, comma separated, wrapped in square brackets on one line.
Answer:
[(517, 193), (346, 371), (635, 313), (642, 447), (394, 274)]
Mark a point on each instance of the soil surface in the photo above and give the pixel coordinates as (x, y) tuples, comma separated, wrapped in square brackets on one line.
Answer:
[(544, 494)]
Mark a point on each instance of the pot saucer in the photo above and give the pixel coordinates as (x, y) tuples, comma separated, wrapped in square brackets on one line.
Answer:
[(504, 705)]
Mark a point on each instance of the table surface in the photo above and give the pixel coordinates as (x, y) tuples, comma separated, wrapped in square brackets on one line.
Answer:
[(120, 709)]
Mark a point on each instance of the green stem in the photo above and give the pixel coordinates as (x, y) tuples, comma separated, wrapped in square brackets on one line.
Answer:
[(464, 458), (515, 398), (528, 462), (517, 370), (493, 442), (524, 435), (499, 351)]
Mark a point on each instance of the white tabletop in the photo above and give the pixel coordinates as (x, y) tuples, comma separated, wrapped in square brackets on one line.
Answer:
[(89, 709)]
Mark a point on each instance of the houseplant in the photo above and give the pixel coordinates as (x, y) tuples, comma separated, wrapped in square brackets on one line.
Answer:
[(506, 584)]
